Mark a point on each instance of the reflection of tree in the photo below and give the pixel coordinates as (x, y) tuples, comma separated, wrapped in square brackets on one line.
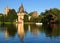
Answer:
[(56, 31), (26, 27), (11, 29), (31, 27), (51, 30), (48, 30)]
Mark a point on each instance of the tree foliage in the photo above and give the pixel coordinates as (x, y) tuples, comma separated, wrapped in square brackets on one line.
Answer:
[(12, 15), (51, 14), (25, 18), (1, 17)]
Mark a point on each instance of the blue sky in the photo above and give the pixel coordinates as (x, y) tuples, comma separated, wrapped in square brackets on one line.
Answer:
[(30, 5)]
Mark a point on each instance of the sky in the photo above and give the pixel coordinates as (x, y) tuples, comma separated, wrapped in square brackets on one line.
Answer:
[(30, 5)]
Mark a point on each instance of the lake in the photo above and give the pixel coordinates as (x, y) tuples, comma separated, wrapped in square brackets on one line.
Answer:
[(29, 33)]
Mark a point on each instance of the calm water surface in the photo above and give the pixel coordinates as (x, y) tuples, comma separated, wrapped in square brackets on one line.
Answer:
[(29, 33)]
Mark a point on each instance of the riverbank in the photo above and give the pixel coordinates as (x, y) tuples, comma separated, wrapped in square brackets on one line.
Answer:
[(16, 22)]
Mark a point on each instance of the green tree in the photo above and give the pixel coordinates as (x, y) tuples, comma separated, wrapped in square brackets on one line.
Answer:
[(51, 14), (12, 15), (25, 18), (1, 17), (30, 13)]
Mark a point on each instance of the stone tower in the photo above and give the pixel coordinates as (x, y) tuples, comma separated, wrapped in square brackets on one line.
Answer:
[(21, 23), (6, 10), (21, 14)]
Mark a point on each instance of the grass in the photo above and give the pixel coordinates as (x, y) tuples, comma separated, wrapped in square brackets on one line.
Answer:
[(29, 23), (17, 22)]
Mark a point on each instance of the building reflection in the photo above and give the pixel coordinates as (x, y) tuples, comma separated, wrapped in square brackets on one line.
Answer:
[(10, 30), (6, 33), (35, 30), (21, 31), (29, 28)]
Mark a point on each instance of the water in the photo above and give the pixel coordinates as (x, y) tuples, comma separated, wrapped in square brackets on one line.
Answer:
[(29, 33)]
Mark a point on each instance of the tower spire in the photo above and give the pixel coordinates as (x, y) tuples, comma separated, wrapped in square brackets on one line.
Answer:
[(21, 8), (6, 10)]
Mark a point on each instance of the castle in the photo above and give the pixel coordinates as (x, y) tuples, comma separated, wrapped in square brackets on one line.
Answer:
[(21, 13)]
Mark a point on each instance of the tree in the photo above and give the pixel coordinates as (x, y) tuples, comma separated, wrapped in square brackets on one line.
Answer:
[(25, 18), (1, 17), (12, 15), (30, 13), (51, 14)]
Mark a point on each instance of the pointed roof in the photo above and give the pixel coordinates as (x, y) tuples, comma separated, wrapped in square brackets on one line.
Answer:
[(6, 7), (21, 8)]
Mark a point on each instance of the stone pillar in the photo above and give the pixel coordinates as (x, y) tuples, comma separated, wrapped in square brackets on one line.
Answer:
[(29, 17)]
